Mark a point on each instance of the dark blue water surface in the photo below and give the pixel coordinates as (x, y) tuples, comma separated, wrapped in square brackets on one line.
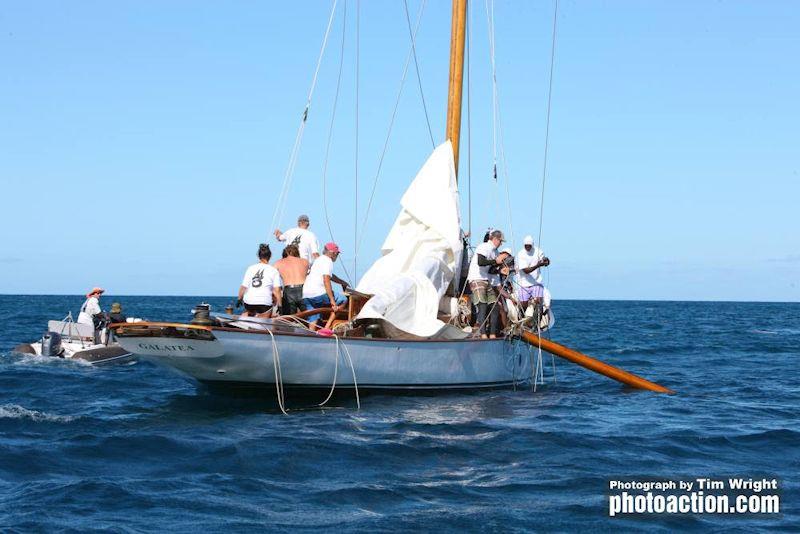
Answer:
[(139, 448)]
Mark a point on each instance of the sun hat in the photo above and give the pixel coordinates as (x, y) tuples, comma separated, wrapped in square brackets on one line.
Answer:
[(116, 307), (95, 291)]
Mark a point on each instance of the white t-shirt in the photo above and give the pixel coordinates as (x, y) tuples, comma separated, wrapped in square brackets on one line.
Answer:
[(314, 285), (305, 240), (89, 308), (259, 279), (477, 272), (525, 260)]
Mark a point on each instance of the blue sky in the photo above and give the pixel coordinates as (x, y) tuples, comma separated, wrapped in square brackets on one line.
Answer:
[(143, 144)]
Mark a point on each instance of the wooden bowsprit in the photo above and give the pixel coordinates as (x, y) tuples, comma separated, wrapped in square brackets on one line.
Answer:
[(615, 373)]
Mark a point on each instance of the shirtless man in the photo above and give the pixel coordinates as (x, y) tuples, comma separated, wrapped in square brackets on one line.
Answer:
[(293, 271)]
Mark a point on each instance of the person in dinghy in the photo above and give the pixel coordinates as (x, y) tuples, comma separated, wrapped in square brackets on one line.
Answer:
[(91, 306), (261, 287)]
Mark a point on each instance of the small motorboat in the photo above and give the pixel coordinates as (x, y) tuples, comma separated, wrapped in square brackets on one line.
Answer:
[(77, 341)]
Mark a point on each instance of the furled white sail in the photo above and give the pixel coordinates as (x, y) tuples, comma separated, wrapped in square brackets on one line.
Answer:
[(421, 252)]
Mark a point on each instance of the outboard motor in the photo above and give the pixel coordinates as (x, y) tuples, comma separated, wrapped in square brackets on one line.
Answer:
[(51, 344)]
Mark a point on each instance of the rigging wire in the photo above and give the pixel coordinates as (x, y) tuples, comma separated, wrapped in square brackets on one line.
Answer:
[(469, 126), (419, 77), (355, 194), (330, 136), (391, 125), (277, 215), (547, 127), (497, 129)]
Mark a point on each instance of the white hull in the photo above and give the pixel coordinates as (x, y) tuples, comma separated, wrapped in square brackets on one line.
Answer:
[(309, 361)]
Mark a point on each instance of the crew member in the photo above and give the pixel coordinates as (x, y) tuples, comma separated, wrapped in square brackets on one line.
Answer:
[(301, 236), (293, 270), (261, 286), (91, 306), (499, 279), (529, 260), (484, 295), (317, 289)]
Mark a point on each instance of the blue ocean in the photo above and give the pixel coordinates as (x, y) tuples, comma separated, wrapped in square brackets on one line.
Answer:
[(136, 448)]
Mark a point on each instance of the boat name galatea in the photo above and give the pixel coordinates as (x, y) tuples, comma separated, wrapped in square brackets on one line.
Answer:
[(175, 348)]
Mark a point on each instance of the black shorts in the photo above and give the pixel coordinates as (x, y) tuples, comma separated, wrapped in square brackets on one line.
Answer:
[(292, 299), (256, 308)]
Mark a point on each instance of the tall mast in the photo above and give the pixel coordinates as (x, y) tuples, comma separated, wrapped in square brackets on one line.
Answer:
[(457, 33)]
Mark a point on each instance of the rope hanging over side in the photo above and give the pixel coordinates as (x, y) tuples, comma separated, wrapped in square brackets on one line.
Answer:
[(336, 374), (277, 215), (276, 364)]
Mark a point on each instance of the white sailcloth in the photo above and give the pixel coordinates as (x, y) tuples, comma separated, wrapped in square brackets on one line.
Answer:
[(421, 253)]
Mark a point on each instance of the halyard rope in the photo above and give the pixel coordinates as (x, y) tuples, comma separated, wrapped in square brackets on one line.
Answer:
[(391, 125), (287, 179), (547, 127), (330, 138)]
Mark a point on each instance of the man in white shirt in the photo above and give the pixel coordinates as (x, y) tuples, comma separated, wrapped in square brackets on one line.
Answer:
[(91, 306), (301, 236), (529, 277), (317, 289), (261, 286), (483, 265)]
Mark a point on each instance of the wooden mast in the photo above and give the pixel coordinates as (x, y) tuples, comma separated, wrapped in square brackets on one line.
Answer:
[(457, 34)]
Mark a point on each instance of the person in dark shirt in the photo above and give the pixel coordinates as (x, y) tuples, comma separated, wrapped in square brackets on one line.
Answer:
[(116, 315)]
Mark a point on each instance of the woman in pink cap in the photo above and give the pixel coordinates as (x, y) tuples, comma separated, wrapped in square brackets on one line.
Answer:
[(91, 307)]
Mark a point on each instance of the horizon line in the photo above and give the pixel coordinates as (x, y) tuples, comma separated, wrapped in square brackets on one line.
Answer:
[(555, 299)]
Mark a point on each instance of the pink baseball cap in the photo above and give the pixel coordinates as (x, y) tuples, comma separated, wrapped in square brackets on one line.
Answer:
[(331, 246)]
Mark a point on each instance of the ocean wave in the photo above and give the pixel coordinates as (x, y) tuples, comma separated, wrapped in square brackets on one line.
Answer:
[(22, 359), (15, 411)]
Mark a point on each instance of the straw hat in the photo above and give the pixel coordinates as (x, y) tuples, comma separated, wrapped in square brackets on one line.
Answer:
[(116, 307), (95, 291)]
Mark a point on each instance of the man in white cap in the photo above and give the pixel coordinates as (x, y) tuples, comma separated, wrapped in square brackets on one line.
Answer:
[(301, 236), (529, 277), (91, 306)]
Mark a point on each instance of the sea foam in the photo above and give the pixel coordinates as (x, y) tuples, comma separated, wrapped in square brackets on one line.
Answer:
[(15, 411)]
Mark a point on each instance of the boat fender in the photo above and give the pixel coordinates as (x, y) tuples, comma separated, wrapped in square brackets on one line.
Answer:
[(51, 344), (327, 332)]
